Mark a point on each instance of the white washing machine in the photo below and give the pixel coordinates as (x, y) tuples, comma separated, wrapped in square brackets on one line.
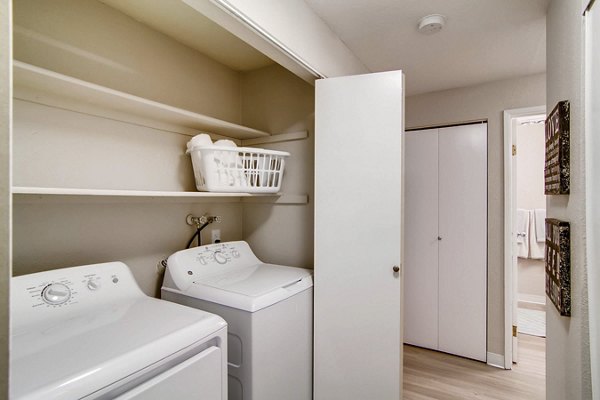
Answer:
[(90, 333), (268, 309)]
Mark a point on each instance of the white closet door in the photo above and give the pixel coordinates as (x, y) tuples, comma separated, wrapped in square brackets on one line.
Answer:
[(421, 238), (358, 203), (463, 245)]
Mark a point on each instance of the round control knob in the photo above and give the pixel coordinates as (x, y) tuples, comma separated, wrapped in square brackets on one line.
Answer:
[(56, 293), (93, 285), (220, 258)]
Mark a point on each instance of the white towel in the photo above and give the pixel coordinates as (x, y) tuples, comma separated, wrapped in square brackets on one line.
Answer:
[(540, 224), (230, 165), (537, 239), (522, 232), (202, 139)]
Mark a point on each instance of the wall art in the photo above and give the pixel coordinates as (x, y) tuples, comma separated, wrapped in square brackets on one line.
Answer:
[(557, 168), (558, 264)]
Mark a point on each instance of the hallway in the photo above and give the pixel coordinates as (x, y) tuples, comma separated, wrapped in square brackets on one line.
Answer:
[(433, 375)]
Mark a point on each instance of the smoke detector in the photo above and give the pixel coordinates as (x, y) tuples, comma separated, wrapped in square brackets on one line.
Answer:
[(431, 24)]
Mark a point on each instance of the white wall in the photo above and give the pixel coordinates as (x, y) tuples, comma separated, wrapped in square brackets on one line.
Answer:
[(486, 101), (5, 199), (567, 345)]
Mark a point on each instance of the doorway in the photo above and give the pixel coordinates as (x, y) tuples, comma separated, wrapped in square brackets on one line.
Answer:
[(531, 215), (525, 204)]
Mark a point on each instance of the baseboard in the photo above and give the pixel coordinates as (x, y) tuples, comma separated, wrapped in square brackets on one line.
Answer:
[(531, 298), (495, 360), (531, 306)]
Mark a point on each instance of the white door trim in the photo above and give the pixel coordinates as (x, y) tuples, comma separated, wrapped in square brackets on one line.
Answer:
[(592, 172), (229, 16), (509, 116)]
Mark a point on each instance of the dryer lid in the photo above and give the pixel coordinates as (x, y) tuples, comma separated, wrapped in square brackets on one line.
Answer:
[(97, 337)]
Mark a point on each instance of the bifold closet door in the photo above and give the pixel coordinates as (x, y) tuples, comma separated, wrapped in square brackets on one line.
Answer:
[(463, 245), (421, 238)]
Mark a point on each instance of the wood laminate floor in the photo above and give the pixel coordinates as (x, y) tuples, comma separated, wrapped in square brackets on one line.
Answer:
[(433, 375)]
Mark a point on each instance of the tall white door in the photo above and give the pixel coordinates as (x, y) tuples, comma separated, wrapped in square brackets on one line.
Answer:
[(463, 244), (358, 210)]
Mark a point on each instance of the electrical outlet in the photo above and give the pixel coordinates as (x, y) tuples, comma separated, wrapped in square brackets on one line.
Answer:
[(215, 236)]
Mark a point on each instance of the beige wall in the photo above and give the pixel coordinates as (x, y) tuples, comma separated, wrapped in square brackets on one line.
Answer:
[(59, 148), (91, 41), (567, 346), (276, 100), (5, 200), (531, 282), (530, 166), (486, 101)]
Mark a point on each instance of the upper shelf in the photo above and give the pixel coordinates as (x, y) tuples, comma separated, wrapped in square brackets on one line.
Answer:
[(28, 194), (50, 88)]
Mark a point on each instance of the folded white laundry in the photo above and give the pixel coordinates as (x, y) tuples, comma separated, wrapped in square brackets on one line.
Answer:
[(522, 231), (225, 143), (202, 139), (230, 166)]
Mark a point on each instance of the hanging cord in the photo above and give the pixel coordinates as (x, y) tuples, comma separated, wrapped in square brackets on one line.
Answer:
[(197, 235), (208, 221)]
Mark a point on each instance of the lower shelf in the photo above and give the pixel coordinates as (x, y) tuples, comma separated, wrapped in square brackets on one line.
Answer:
[(22, 194)]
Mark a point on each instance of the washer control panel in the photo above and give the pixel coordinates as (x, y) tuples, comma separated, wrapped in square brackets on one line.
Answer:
[(186, 266), (221, 253)]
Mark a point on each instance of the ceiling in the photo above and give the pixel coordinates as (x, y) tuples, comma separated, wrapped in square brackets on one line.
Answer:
[(180, 22), (482, 41)]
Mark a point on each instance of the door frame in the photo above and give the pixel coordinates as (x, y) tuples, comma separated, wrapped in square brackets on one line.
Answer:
[(510, 117), (592, 171)]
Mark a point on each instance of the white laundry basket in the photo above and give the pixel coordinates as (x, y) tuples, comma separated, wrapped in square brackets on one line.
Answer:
[(237, 169)]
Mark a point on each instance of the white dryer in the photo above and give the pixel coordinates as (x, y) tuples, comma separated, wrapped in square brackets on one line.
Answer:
[(90, 333), (268, 309)]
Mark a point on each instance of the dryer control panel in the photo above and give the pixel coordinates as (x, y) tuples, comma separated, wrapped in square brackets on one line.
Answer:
[(47, 293)]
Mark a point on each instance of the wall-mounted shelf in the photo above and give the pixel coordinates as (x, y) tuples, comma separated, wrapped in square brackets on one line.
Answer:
[(23, 194), (42, 86)]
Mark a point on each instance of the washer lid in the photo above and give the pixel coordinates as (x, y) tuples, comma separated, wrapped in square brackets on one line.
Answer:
[(256, 280), (230, 274)]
